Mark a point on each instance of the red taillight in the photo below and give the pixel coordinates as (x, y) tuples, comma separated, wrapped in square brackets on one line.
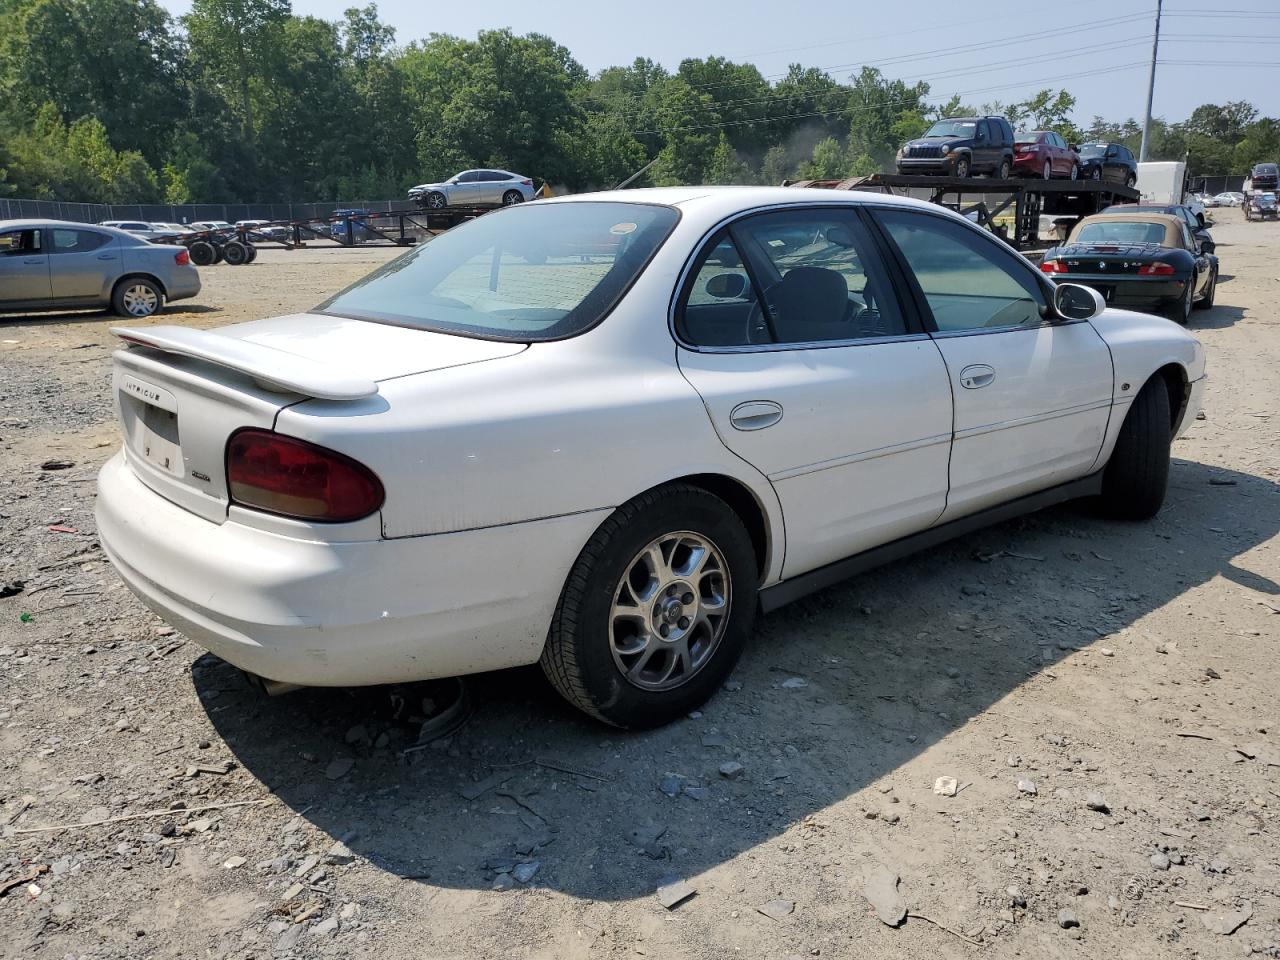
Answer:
[(294, 478), (1156, 270), (1052, 266), (182, 257), (527, 183)]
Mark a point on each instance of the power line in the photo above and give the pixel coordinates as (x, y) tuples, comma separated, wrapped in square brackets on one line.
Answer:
[(937, 97)]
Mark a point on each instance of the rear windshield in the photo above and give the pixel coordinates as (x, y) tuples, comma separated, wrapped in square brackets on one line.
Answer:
[(953, 128), (1121, 232), (531, 272), (1266, 169), (1092, 149)]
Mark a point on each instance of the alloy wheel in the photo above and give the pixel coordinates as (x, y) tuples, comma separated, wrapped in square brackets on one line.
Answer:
[(1048, 170), (140, 300), (670, 610)]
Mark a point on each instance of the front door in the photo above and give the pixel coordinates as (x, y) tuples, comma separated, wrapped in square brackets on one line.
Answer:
[(794, 337), (82, 263), (1032, 393), (24, 269)]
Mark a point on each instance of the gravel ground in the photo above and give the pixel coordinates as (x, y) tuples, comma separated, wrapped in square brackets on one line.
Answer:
[(1102, 694)]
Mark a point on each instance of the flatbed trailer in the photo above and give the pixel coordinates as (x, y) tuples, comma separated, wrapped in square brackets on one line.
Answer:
[(1066, 200)]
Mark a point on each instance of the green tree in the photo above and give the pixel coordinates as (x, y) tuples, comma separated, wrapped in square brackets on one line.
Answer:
[(829, 162), (776, 166), (725, 166), (875, 106), (234, 42)]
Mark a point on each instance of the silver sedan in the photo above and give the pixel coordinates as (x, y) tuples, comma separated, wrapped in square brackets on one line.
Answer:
[(475, 188), (59, 265)]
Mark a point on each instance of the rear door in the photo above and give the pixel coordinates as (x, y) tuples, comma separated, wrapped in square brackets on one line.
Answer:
[(791, 331), (24, 269), (83, 264), (984, 157), (1032, 395)]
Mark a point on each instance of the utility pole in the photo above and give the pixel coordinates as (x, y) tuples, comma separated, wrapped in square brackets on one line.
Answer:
[(1151, 87)]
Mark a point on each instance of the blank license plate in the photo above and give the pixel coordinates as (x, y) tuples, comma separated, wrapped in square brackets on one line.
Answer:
[(153, 428)]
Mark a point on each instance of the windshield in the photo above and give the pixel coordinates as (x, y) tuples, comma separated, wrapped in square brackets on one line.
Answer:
[(1092, 149), (953, 128), (1121, 232), (528, 273)]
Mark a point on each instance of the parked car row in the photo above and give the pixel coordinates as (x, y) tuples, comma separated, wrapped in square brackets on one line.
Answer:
[(969, 146)]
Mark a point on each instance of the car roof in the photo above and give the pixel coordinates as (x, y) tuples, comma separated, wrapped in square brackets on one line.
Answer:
[(716, 203), (1172, 225), (30, 224)]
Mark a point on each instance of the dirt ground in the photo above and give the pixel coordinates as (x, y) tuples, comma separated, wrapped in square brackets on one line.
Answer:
[(1087, 657)]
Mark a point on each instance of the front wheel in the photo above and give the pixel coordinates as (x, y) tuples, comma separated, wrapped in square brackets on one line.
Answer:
[(1095, 174), (962, 168), (656, 609), (1137, 475), (1131, 181), (436, 201)]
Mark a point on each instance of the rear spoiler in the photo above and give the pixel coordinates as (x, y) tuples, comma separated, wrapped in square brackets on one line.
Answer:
[(271, 367)]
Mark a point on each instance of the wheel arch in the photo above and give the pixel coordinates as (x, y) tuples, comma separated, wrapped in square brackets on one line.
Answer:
[(1178, 385), (139, 275), (746, 505)]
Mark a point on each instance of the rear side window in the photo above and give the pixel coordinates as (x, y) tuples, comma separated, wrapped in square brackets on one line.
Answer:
[(528, 273), (77, 241), (969, 280)]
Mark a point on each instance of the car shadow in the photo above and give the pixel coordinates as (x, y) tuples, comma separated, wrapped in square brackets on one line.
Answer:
[(835, 693), (1218, 317), (97, 316)]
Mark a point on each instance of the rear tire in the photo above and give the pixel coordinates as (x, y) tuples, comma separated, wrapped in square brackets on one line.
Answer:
[(1006, 168), (1047, 172), (1180, 312), (203, 253), (1075, 172), (512, 197), (235, 253), (137, 297), (253, 252), (613, 664), (1137, 475)]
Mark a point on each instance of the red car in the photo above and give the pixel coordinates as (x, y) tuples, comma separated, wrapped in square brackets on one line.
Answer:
[(1045, 155)]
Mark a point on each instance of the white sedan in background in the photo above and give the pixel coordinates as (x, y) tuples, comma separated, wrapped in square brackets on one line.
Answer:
[(600, 432)]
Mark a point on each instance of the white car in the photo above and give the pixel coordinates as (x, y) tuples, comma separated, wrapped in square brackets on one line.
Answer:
[(1229, 199), (600, 432)]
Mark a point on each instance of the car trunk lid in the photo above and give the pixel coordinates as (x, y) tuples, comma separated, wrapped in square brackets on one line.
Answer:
[(180, 393), (1117, 258)]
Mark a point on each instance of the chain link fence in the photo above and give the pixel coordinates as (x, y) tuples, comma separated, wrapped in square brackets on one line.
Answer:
[(186, 213)]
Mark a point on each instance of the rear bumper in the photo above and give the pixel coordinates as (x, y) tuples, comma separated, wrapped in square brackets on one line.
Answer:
[(182, 284), (340, 614), (1028, 165), (1130, 291)]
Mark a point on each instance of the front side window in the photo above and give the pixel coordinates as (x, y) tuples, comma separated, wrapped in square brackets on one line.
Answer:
[(790, 277), (536, 272), (969, 281), (471, 176), (18, 242)]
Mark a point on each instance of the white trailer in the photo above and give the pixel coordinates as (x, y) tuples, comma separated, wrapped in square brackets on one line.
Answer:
[(1166, 182)]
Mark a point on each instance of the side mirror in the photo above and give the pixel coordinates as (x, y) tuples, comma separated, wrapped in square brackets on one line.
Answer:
[(727, 286), (1208, 246), (1073, 146), (1075, 302)]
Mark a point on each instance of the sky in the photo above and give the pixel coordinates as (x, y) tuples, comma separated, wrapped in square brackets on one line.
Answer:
[(1001, 50)]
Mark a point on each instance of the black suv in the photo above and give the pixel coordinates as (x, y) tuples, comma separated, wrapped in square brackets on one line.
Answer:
[(961, 147), (1108, 161), (1264, 176)]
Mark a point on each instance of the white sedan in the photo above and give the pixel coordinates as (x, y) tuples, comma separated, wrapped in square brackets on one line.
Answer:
[(601, 432)]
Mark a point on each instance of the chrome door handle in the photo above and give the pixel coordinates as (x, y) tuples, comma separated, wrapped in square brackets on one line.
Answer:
[(33, 260), (976, 376), (755, 415), (106, 256)]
